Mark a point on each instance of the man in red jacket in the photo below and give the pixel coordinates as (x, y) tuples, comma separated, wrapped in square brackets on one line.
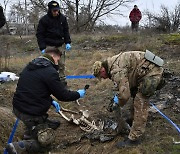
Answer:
[(135, 16)]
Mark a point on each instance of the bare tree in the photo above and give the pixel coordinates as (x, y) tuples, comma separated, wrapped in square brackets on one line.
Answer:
[(92, 10), (175, 17), (40, 4), (5, 7), (166, 21), (82, 15)]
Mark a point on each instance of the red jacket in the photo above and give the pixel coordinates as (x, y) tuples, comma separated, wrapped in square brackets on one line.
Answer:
[(135, 15)]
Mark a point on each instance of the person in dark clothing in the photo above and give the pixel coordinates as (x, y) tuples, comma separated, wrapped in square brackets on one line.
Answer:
[(135, 16), (32, 99), (2, 17), (53, 30)]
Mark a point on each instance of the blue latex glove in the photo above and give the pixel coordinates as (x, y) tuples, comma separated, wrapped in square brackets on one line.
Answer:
[(43, 51), (116, 99), (56, 105), (81, 92), (68, 47)]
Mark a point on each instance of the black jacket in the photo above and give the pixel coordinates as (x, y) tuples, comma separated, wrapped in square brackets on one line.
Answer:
[(37, 82), (2, 17), (52, 31)]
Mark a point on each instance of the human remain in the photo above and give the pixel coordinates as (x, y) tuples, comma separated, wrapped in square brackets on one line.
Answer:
[(53, 30), (136, 74), (135, 16), (38, 81), (2, 17)]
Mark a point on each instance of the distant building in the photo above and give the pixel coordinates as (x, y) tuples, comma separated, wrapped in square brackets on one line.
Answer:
[(18, 29)]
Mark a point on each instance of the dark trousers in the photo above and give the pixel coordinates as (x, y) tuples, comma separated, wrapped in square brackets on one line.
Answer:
[(134, 26), (37, 128)]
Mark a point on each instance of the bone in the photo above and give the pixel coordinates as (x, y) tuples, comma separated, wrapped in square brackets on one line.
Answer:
[(83, 122), (70, 111), (66, 118)]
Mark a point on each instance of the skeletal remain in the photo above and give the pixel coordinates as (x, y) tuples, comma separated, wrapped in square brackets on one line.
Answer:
[(90, 126), (66, 118), (83, 122), (66, 110), (77, 102)]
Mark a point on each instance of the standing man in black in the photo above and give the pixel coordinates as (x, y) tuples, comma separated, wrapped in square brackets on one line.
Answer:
[(53, 30), (2, 17)]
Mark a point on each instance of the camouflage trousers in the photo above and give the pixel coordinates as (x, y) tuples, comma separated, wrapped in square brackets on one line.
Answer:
[(39, 132), (139, 115), (62, 65), (140, 106)]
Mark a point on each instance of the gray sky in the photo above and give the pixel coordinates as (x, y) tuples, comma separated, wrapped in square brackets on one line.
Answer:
[(151, 5)]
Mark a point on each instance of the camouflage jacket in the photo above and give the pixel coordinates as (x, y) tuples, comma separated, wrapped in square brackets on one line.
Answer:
[(127, 69)]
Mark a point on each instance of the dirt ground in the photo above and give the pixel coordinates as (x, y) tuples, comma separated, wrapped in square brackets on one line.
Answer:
[(160, 134)]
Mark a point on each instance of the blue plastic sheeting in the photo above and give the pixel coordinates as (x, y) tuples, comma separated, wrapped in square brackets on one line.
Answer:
[(80, 76)]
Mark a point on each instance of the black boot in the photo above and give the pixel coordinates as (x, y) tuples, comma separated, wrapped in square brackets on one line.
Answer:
[(25, 146), (127, 143), (16, 148)]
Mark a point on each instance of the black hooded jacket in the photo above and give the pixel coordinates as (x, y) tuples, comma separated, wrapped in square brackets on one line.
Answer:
[(52, 31), (37, 82), (2, 17)]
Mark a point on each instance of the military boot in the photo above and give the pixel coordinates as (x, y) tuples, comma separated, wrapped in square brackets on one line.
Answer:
[(25, 146), (16, 148)]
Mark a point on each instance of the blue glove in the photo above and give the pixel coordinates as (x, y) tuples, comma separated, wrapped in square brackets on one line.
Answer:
[(116, 99), (56, 105), (81, 92), (43, 51), (68, 47), (114, 104)]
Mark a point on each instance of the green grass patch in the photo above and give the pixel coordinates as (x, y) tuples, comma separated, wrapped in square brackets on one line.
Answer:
[(171, 38), (176, 149)]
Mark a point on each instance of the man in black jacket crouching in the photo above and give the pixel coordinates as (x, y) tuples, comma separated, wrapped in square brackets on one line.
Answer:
[(32, 100)]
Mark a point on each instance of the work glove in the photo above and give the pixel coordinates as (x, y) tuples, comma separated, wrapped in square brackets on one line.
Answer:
[(43, 51), (68, 46), (56, 105), (81, 92), (114, 104)]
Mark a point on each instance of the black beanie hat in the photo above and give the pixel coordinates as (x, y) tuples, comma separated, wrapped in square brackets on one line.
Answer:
[(53, 5)]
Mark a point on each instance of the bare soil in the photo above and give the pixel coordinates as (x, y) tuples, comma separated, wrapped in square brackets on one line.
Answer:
[(159, 134)]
